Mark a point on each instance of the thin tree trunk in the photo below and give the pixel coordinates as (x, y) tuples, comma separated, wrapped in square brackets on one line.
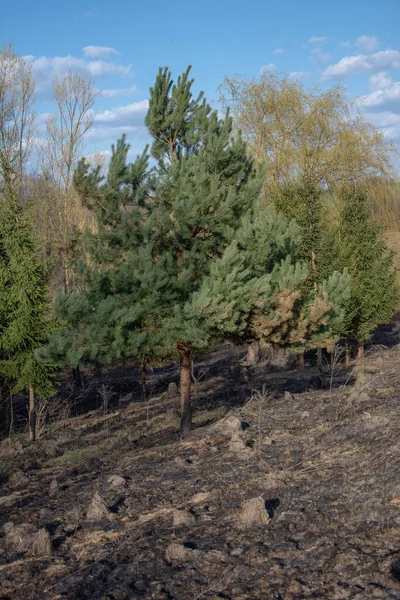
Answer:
[(77, 377), (319, 357), (360, 350), (143, 381), (32, 415), (301, 361), (185, 357), (252, 353), (5, 416), (348, 356), (11, 404)]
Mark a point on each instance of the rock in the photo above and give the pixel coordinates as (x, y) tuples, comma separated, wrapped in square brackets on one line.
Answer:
[(25, 537), (53, 489), (71, 520), (183, 518), (229, 425), (97, 509), (42, 545), (267, 441), (19, 538), (7, 526), (18, 478), (305, 414), (288, 396), (253, 513), (201, 497), (236, 444), (178, 554), (172, 390), (116, 481)]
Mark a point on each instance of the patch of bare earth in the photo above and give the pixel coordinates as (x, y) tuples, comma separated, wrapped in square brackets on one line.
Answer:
[(286, 496)]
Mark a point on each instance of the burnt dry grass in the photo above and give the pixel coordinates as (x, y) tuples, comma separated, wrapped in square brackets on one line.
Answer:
[(325, 462)]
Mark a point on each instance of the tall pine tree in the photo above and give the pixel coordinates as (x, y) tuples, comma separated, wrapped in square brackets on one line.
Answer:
[(25, 321), (357, 244), (183, 253)]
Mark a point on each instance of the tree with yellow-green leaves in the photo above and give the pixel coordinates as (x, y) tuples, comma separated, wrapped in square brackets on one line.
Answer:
[(306, 134)]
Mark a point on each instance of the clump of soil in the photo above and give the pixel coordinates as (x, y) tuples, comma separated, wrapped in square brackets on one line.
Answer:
[(272, 496)]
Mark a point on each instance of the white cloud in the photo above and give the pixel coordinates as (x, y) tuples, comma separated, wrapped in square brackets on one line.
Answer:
[(385, 98), (383, 119), (278, 51), (99, 51), (113, 93), (380, 81), (362, 63), (318, 39), (267, 68), (47, 67), (132, 114), (387, 122), (108, 133), (320, 57), (367, 43)]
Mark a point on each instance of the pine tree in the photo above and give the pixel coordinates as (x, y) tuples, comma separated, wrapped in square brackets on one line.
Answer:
[(302, 200), (182, 254), (357, 244), (25, 322)]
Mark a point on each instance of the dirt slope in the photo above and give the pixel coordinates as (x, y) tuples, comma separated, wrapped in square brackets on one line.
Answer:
[(284, 496)]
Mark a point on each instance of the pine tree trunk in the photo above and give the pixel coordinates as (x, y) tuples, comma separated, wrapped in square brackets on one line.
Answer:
[(32, 415), (143, 381), (77, 377), (360, 350), (185, 356), (252, 353), (301, 361), (11, 405), (5, 412), (348, 356), (319, 358)]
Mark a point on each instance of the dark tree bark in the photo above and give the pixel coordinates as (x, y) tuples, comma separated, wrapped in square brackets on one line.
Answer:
[(301, 361), (253, 351), (319, 358), (348, 356), (5, 409), (143, 381), (77, 377), (360, 350), (185, 357), (32, 415)]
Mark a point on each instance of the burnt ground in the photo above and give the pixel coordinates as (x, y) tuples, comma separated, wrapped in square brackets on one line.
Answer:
[(321, 466)]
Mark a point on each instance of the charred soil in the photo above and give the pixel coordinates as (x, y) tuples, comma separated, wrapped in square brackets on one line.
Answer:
[(282, 491)]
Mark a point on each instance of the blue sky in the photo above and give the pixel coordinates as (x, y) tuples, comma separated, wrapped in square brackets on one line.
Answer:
[(122, 43)]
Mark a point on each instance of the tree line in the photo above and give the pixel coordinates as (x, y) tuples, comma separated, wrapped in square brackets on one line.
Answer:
[(213, 232)]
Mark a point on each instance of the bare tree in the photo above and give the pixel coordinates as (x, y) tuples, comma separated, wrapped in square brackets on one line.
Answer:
[(17, 118), (74, 95)]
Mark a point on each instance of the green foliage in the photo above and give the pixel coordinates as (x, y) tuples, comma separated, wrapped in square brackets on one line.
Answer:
[(25, 322), (302, 202), (184, 250), (328, 285), (357, 244)]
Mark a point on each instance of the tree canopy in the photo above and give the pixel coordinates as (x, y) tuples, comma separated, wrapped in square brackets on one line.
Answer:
[(305, 133)]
